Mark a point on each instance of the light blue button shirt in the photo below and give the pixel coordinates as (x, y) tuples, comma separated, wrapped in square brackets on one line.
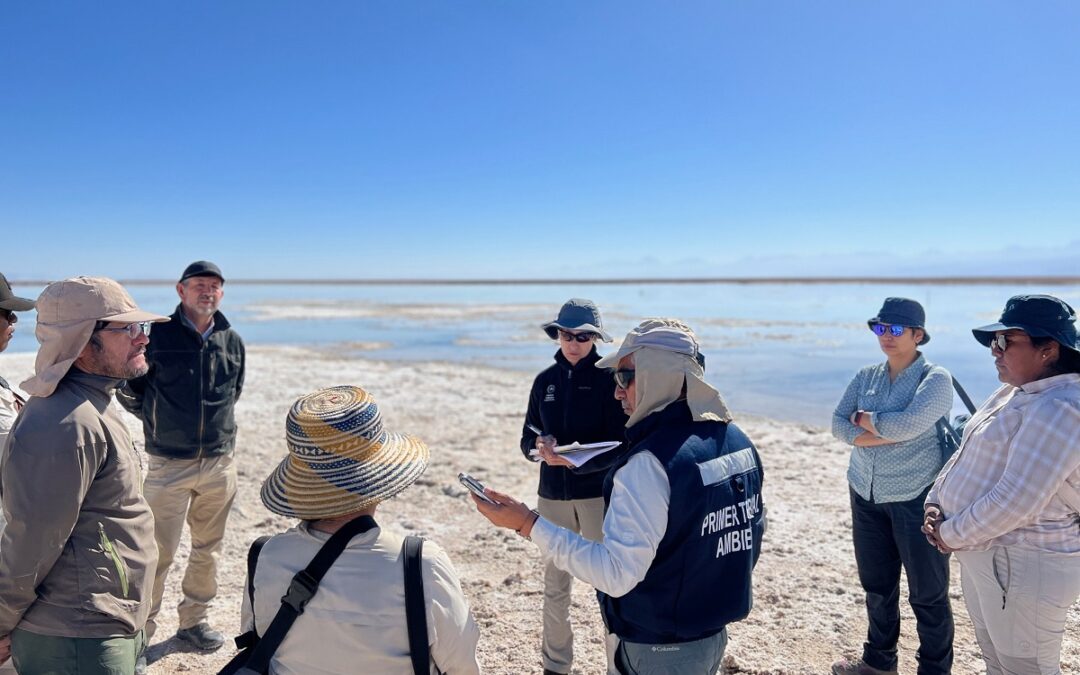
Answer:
[(906, 411), (191, 324)]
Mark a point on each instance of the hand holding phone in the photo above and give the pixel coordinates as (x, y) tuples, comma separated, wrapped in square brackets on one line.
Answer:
[(474, 486)]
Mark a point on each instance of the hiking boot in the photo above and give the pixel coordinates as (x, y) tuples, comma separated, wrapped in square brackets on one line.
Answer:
[(857, 667), (202, 637), (140, 664)]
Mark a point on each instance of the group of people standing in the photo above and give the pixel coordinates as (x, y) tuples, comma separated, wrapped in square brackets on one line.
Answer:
[(90, 540), (1007, 502), (667, 527)]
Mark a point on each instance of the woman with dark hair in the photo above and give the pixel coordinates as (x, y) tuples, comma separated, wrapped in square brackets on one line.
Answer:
[(1008, 502), (889, 415)]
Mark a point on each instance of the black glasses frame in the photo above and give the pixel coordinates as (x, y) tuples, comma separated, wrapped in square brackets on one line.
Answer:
[(567, 336)]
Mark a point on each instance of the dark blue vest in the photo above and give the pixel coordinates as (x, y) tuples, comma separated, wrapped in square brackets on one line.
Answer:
[(699, 580)]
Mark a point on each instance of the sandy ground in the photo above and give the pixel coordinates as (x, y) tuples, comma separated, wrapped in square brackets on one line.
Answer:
[(808, 604)]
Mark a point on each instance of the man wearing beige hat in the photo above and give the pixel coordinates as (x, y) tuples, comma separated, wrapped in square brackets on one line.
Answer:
[(683, 515), (78, 553)]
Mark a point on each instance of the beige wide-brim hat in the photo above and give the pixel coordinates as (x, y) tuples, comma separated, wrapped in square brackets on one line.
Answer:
[(341, 460), (66, 314)]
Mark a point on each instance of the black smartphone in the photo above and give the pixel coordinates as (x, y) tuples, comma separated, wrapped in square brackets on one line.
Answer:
[(474, 486)]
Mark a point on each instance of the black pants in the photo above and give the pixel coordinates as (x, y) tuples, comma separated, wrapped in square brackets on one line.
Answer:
[(887, 536)]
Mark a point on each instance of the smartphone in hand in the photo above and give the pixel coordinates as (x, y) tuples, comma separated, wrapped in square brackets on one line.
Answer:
[(474, 486)]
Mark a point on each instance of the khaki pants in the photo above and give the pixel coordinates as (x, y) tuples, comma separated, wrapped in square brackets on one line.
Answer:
[(200, 491), (1018, 600), (585, 516)]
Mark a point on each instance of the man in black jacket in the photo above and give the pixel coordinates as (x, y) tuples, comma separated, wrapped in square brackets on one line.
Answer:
[(186, 403), (570, 401)]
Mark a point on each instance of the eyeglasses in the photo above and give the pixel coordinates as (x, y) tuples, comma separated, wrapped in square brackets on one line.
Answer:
[(624, 377), (879, 329), (567, 336), (133, 330), (8, 315)]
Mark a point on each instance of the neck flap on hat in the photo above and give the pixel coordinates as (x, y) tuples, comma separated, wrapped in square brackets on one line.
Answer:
[(659, 377)]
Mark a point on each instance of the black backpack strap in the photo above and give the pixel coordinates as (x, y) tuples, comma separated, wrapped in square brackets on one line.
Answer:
[(963, 396), (415, 607), (302, 589), (251, 637)]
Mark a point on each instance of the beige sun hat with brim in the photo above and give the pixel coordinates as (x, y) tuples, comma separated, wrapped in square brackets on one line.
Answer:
[(66, 314), (666, 354), (341, 459)]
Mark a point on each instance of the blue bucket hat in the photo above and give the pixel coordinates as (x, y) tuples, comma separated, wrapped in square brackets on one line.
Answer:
[(1038, 316), (902, 312), (577, 314)]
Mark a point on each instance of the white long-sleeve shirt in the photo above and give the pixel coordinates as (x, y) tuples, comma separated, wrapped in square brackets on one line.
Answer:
[(1006, 485), (634, 523), (356, 620)]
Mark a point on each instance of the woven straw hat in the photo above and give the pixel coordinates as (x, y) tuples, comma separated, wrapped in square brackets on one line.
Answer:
[(340, 458)]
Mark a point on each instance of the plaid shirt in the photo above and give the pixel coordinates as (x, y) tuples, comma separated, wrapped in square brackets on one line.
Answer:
[(1019, 457)]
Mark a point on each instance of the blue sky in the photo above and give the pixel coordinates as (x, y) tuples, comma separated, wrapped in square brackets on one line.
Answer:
[(540, 139)]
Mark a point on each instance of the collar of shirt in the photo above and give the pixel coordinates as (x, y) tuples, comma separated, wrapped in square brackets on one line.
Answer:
[(1050, 382), (189, 323)]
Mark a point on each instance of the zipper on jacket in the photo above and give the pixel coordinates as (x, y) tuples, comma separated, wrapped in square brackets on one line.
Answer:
[(110, 550), (202, 395)]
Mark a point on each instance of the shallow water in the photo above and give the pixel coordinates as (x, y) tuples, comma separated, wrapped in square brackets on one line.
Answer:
[(785, 351)]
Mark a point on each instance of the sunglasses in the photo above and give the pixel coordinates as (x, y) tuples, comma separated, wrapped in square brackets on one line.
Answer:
[(624, 377), (8, 315), (133, 330), (1001, 342), (567, 336), (880, 329)]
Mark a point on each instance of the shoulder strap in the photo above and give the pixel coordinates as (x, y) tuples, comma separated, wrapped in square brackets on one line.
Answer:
[(252, 562), (302, 589), (963, 396), (415, 612)]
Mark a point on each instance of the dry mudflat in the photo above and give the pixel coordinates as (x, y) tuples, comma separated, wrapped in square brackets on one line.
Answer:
[(808, 604)]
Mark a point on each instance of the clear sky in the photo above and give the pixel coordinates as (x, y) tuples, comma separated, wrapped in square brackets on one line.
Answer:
[(539, 139)]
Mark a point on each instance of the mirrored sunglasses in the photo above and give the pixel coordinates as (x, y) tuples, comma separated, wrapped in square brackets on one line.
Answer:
[(880, 328), (567, 336), (624, 377), (133, 330)]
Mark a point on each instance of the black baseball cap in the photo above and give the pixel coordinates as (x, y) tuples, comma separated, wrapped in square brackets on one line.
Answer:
[(202, 268), (10, 301)]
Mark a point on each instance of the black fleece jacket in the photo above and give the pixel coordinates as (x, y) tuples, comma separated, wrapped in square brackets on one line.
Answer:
[(574, 403), (186, 400)]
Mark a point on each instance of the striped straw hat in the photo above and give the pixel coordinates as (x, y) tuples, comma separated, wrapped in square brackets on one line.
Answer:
[(340, 458)]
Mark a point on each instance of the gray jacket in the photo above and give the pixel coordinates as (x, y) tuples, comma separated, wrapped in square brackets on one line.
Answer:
[(77, 557)]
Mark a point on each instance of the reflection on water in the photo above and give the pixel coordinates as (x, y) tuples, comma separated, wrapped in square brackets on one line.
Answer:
[(781, 350)]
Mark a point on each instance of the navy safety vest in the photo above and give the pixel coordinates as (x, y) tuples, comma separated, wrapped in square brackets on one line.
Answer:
[(699, 580)]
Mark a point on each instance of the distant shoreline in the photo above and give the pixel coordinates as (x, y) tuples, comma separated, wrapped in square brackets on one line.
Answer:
[(938, 281)]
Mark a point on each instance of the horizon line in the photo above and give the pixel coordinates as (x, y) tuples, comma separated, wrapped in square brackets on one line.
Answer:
[(972, 280)]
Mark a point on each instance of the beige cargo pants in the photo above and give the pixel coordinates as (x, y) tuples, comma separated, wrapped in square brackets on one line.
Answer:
[(200, 491)]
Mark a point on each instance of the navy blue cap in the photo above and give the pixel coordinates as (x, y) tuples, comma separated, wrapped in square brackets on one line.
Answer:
[(1036, 315), (902, 312), (577, 314)]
